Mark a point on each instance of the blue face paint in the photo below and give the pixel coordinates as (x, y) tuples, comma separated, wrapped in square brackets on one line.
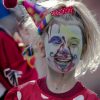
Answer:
[(55, 40)]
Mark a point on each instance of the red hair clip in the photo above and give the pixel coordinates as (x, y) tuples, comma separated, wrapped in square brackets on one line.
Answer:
[(62, 11)]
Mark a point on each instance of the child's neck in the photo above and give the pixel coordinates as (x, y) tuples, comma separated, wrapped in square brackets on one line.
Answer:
[(60, 83)]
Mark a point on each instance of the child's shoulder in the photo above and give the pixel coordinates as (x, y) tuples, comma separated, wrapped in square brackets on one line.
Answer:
[(85, 93), (89, 94)]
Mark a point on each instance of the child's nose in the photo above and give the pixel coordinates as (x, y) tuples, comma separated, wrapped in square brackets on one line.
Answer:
[(64, 49)]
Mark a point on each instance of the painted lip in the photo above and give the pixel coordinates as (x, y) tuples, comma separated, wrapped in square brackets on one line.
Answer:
[(69, 64), (63, 58)]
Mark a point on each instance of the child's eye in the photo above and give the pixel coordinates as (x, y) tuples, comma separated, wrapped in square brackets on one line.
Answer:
[(73, 43), (55, 40)]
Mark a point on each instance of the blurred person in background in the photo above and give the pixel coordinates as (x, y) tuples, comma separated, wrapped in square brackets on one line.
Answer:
[(27, 35), (14, 70)]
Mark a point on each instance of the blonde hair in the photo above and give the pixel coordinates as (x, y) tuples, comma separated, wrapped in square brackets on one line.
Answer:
[(90, 57)]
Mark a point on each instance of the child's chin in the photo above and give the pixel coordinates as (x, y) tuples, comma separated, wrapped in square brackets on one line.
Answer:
[(67, 69)]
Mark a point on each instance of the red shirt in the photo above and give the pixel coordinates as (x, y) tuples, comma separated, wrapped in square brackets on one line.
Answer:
[(37, 90), (12, 64)]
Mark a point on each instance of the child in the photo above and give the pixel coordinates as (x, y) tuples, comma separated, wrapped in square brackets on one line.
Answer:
[(69, 33)]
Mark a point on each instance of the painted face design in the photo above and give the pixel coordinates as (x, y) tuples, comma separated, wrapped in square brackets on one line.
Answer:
[(63, 47)]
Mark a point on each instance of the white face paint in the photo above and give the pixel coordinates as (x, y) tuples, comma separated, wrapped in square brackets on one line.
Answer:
[(63, 47)]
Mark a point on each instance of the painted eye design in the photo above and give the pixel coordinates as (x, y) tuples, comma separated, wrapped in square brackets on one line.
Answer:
[(73, 42), (55, 40), (73, 45)]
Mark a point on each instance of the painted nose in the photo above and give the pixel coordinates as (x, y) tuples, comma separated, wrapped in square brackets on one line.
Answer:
[(64, 50)]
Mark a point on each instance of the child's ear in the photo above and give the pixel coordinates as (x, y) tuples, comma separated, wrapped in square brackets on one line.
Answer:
[(40, 47)]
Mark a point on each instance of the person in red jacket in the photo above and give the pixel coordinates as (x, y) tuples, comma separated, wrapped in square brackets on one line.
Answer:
[(14, 70), (69, 34)]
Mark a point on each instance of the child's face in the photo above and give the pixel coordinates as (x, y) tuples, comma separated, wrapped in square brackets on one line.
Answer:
[(63, 47)]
